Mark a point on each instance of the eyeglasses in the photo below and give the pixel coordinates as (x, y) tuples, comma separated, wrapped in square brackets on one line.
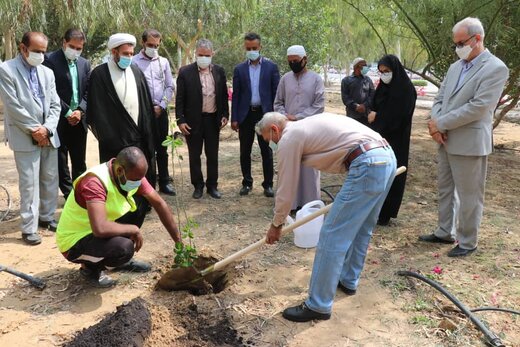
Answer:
[(462, 43)]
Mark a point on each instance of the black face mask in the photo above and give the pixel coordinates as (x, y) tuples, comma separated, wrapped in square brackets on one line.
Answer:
[(297, 66)]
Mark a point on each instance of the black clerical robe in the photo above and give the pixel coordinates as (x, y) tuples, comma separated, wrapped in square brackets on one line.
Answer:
[(111, 123)]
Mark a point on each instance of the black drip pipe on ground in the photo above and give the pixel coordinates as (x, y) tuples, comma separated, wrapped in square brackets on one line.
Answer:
[(491, 338), (329, 194), (499, 309)]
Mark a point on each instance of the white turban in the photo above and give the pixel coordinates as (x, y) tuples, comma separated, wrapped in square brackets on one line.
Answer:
[(119, 39), (357, 61), (296, 50)]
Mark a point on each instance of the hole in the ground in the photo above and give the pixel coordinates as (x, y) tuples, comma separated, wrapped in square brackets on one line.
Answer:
[(189, 278)]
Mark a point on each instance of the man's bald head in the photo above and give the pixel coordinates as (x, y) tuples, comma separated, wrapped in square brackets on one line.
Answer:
[(133, 161)]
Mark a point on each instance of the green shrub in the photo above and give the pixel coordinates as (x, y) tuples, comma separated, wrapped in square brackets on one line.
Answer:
[(419, 83)]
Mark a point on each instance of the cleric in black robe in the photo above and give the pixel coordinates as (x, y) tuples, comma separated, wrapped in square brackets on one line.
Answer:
[(393, 107), (121, 112)]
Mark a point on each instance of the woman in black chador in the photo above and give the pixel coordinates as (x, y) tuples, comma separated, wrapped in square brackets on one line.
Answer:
[(394, 103)]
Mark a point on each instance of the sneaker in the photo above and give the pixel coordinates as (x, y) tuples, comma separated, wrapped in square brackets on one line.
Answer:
[(32, 239), (97, 278), (134, 266)]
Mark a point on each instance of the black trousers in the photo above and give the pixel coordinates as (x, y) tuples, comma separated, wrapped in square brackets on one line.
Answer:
[(137, 217), (98, 254), (74, 143), (161, 131), (208, 136), (246, 136)]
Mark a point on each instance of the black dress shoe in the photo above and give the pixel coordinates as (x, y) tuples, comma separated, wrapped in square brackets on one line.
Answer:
[(302, 313), (214, 193), (269, 192), (51, 225), (197, 193), (167, 189), (346, 290), (434, 239), (460, 252), (245, 190)]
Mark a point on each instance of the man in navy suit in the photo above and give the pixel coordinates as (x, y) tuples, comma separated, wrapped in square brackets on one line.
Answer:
[(254, 88), (71, 72)]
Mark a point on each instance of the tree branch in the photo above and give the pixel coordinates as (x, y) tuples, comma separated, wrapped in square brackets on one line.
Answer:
[(506, 109), (425, 76), (411, 24), (369, 23)]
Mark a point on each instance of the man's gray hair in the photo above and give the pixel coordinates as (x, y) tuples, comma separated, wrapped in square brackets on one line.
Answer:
[(269, 119), (473, 25), (205, 43)]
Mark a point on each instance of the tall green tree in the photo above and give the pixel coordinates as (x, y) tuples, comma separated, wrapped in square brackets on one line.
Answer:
[(429, 23)]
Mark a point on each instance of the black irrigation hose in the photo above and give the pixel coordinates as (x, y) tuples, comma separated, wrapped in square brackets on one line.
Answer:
[(499, 309), (324, 189), (491, 338), (8, 203)]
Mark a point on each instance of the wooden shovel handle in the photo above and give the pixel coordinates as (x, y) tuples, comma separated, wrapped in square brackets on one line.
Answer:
[(239, 254)]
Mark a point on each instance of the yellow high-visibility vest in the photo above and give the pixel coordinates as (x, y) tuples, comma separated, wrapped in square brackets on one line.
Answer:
[(74, 223)]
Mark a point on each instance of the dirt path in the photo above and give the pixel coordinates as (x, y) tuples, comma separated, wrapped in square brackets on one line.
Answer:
[(388, 310)]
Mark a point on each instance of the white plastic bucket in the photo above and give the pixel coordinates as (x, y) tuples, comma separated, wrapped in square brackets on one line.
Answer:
[(308, 234)]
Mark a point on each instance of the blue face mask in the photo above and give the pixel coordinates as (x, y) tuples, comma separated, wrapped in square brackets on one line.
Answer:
[(272, 144), (129, 185), (252, 55), (124, 62), (364, 70)]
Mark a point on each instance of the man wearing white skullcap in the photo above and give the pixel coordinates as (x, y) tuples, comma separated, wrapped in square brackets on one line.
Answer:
[(120, 111), (301, 94), (296, 50), (117, 40), (357, 92)]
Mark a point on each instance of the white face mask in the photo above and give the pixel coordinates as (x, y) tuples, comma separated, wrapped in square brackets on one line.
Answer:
[(151, 52), (71, 54), (464, 52), (35, 59), (386, 77), (203, 62)]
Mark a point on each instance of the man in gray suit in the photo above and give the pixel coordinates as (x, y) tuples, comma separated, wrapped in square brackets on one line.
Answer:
[(461, 123), (32, 109)]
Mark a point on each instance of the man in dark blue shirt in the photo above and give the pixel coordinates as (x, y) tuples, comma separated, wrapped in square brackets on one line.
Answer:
[(357, 92)]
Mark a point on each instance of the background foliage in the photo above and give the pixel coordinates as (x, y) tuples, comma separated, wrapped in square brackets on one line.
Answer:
[(333, 32)]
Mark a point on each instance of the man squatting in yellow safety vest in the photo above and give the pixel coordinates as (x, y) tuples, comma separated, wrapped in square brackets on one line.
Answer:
[(89, 232)]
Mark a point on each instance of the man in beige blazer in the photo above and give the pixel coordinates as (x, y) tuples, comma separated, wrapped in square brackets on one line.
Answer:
[(461, 123), (32, 110)]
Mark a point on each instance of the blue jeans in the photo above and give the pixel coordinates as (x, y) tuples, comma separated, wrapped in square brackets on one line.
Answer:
[(346, 232)]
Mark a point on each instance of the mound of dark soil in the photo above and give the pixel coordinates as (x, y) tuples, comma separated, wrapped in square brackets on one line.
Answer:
[(129, 326)]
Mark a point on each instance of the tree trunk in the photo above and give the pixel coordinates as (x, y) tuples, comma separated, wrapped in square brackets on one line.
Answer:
[(8, 44), (179, 56), (326, 75), (512, 104)]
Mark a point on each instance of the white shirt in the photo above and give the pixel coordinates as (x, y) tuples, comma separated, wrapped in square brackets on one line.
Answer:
[(126, 88)]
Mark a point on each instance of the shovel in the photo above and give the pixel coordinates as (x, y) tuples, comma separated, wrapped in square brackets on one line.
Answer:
[(36, 282), (182, 278)]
